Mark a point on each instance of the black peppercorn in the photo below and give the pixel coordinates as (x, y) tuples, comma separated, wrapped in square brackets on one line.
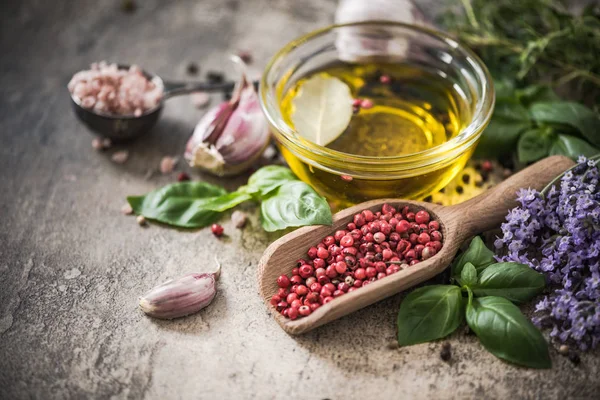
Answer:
[(446, 353), (574, 358), (192, 68)]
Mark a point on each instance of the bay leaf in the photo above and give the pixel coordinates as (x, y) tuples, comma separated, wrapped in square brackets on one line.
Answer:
[(322, 109)]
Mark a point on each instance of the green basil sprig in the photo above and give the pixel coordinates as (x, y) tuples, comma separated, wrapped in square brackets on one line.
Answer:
[(535, 122), (487, 289), (286, 201)]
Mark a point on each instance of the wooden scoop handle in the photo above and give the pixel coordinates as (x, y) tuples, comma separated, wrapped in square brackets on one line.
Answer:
[(488, 210)]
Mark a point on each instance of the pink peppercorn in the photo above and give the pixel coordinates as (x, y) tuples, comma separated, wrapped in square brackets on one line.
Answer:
[(379, 237), (306, 271), (322, 253), (304, 311), (275, 299), (422, 217), (312, 253), (423, 238), (356, 102), (341, 267), (434, 226), (410, 255), (282, 305), (331, 272), (351, 226), (312, 297), (296, 280), (318, 263), (302, 290), (339, 235), (319, 272), (338, 293), (371, 272), (385, 79), (314, 306), (283, 292), (380, 266), (403, 226), (325, 293), (366, 104), (323, 279), (427, 253), (387, 254), (316, 287), (352, 289), (436, 236), (360, 274), (291, 297), (410, 216), (296, 303), (413, 262), (347, 241), (343, 287), (283, 281), (292, 313), (217, 230), (359, 220), (327, 299), (381, 275), (328, 241), (368, 214)]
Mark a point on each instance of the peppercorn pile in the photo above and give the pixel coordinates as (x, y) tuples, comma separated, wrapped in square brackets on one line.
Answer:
[(373, 246)]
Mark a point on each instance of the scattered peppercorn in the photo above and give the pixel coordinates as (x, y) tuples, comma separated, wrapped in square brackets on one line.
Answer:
[(128, 6), (446, 353), (563, 349), (574, 358), (141, 220), (239, 219), (371, 247), (215, 77), (487, 166), (217, 230), (385, 79), (182, 177), (466, 178), (246, 56), (192, 68)]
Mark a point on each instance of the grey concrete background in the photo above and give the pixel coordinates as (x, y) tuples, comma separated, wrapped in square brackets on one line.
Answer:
[(72, 267)]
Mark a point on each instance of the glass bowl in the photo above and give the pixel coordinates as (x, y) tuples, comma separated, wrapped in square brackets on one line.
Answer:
[(346, 179)]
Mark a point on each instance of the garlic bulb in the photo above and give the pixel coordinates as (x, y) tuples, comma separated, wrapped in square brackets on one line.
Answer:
[(180, 297), (232, 135), (362, 42)]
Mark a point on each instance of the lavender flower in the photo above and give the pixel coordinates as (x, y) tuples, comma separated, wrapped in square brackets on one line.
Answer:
[(559, 235)]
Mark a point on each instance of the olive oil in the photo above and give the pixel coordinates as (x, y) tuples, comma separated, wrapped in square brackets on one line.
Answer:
[(413, 110)]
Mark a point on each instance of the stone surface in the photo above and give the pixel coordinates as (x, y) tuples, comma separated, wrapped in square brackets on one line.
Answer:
[(72, 266)]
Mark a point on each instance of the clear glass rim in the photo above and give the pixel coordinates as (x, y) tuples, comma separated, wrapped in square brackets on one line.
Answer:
[(320, 154)]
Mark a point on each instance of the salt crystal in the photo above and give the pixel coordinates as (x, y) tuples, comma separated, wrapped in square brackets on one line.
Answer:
[(200, 99), (167, 165), (120, 157)]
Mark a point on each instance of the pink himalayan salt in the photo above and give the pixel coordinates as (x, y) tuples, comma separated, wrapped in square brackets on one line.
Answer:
[(106, 89)]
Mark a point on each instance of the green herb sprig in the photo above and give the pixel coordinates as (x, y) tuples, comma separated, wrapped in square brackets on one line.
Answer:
[(533, 40), (285, 201), (484, 293), (535, 122)]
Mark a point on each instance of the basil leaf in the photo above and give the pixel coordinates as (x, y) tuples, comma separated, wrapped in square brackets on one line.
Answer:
[(572, 147), (477, 254), (507, 333), (269, 178), (179, 204), (429, 313), (294, 204), (468, 275), (227, 201), (574, 115), (510, 119), (513, 281), (536, 93), (534, 144)]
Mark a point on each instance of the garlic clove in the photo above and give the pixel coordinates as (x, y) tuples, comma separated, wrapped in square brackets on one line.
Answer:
[(180, 297), (231, 136)]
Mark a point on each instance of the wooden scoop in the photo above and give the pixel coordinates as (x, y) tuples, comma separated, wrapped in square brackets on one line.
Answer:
[(457, 223)]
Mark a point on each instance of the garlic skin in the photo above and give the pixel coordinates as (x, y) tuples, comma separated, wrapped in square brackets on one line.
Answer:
[(357, 44), (231, 136), (180, 297)]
